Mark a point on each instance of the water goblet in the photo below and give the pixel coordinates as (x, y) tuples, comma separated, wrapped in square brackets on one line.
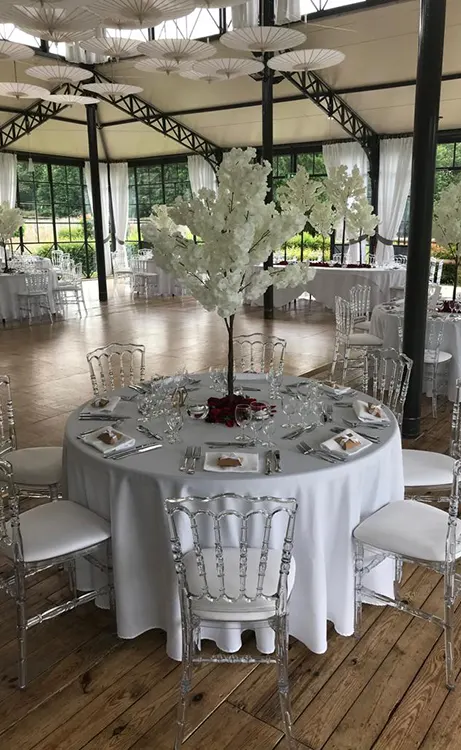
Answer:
[(267, 432), (243, 417), (174, 423), (275, 383), (290, 407)]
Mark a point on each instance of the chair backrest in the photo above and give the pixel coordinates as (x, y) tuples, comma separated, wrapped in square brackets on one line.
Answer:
[(209, 527), (386, 378), (10, 532), (433, 296), (116, 366), (140, 265), (451, 542), (257, 352), (456, 423), (401, 259), (36, 282), (8, 440), (434, 335), (336, 258), (56, 258), (344, 318), (360, 299)]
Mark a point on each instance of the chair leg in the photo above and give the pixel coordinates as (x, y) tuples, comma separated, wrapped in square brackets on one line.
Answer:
[(397, 577), (21, 622), (83, 302), (281, 646), (54, 492), (335, 359), (434, 392), (186, 682), (347, 354), (449, 599), (72, 576), (358, 570)]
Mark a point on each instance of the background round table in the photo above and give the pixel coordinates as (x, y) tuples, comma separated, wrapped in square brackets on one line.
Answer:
[(333, 499), (385, 325), (12, 284), (332, 282)]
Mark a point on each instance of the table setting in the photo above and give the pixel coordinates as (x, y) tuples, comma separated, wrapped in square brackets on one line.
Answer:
[(295, 437)]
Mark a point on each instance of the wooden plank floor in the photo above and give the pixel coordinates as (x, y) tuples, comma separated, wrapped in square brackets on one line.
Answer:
[(88, 689)]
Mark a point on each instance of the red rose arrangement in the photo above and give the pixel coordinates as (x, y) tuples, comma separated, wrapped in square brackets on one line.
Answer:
[(222, 410)]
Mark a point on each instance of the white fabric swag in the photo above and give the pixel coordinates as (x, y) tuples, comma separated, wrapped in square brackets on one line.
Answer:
[(393, 189), (119, 192), (350, 154), (201, 174), (248, 13), (8, 179), (104, 186)]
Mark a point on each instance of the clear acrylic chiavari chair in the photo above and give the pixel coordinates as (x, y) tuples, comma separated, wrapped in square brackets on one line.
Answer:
[(69, 290), (386, 378), (346, 340), (233, 560), (116, 366), (258, 353), (145, 282), (360, 299), (53, 534), (435, 357), (35, 299), (417, 533), (36, 471)]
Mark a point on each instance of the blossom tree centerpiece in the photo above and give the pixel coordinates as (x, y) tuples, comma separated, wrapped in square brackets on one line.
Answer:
[(446, 226), (10, 221), (345, 193), (238, 231)]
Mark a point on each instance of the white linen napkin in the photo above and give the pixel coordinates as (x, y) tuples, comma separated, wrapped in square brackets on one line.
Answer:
[(338, 390), (360, 408), (249, 462), (332, 445), (108, 409), (125, 442)]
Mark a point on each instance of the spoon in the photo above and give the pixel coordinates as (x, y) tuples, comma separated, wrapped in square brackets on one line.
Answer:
[(145, 430)]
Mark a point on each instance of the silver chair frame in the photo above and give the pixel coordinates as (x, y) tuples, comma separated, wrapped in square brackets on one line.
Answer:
[(101, 363)]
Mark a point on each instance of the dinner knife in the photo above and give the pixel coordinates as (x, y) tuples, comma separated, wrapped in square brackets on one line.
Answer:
[(134, 449), (268, 462), (278, 463), (144, 449)]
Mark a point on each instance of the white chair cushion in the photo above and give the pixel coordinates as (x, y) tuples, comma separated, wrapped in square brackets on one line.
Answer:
[(364, 339), (241, 610), (429, 357), (36, 466), (60, 528), (426, 469), (408, 528), (363, 325)]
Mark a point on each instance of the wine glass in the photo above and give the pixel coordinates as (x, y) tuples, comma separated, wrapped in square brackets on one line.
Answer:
[(275, 383), (174, 423), (290, 407), (243, 416)]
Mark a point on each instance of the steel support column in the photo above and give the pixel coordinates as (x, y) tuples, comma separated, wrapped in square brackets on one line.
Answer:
[(267, 153), (427, 101), (96, 191)]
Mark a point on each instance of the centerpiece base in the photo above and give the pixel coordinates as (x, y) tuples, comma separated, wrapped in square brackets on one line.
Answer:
[(222, 410)]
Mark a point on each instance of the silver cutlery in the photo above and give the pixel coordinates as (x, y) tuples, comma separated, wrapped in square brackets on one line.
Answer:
[(249, 444), (187, 455), (365, 425), (268, 457), (197, 452), (371, 438), (344, 404), (127, 451), (101, 417), (335, 456), (293, 435), (319, 453), (278, 462), (249, 388), (144, 449), (93, 429), (145, 430), (311, 452), (137, 388)]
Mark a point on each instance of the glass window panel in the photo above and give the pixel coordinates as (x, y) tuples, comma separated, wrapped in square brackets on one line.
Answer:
[(155, 174), (445, 154), (319, 164), (58, 174), (457, 154), (306, 161), (282, 166), (143, 175), (73, 175)]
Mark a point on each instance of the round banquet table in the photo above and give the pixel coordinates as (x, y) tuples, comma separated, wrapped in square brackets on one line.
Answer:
[(167, 286), (333, 499), (332, 282), (385, 324), (12, 284)]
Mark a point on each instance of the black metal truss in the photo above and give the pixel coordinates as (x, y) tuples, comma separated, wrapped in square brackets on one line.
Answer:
[(314, 88), (151, 116), (34, 116)]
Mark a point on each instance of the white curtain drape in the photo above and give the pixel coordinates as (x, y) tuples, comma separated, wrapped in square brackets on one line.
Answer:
[(201, 174), (8, 179), (119, 192), (350, 154), (104, 185), (248, 13), (393, 189)]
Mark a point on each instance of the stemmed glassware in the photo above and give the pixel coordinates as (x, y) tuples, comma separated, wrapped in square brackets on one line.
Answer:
[(275, 383), (290, 407), (174, 423), (243, 417)]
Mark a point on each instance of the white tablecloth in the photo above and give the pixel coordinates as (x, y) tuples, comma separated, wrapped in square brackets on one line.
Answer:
[(385, 324), (167, 286), (12, 284), (282, 297), (329, 283), (333, 499)]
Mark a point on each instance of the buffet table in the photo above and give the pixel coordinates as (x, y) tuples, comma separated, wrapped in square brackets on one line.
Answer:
[(333, 499), (331, 282)]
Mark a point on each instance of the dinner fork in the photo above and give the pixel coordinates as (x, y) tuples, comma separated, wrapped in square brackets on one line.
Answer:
[(323, 453), (187, 457), (365, 425), (197, 452)]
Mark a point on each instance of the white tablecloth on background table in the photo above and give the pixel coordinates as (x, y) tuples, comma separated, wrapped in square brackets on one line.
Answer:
[(12, 284), (385, 324), (333, 499), (167, 286), (282, 297), (329, 283)]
